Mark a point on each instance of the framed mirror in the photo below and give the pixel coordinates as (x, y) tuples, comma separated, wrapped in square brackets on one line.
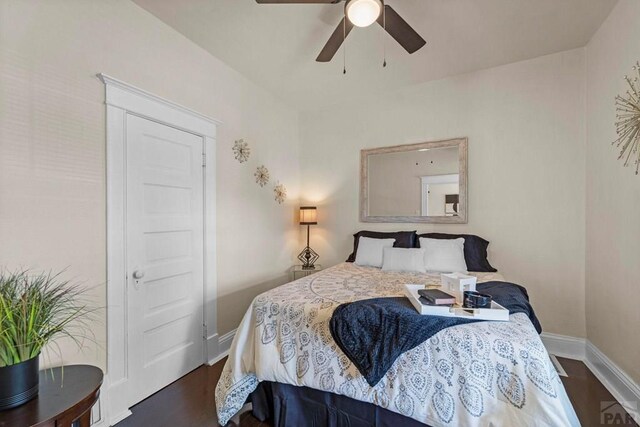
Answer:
[(425, 182)]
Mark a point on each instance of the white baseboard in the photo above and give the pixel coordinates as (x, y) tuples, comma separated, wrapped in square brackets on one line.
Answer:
[(620, 385), (212, 343), (226, 340), (564, 346), (218, 358), (101, 413), (224, 344), (98, 414), (115, 419)]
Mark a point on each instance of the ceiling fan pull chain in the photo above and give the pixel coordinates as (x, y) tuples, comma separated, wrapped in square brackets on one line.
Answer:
[(384, 36), (344, 45)]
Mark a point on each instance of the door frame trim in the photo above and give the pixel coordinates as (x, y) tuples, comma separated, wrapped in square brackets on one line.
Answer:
[(425, 181), (123, 99)]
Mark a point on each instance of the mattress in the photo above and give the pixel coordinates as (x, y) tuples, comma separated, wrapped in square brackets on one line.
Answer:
[(484, 373)]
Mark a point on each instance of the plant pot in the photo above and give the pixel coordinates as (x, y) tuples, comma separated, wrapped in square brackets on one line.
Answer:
[(19, 383)]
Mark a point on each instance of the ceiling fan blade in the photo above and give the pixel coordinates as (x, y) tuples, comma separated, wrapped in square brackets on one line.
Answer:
[(297, 1), (335, 41), (400, 30)]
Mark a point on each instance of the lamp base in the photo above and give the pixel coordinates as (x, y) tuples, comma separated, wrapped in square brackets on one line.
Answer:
[(308, 257)]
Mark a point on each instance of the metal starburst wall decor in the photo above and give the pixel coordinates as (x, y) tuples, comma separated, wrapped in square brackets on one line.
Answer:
[(241, 150), (280, 193), (628, 121), (262, 176)]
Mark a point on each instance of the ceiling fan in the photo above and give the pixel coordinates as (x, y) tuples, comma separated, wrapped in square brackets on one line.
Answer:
[(363, 13)]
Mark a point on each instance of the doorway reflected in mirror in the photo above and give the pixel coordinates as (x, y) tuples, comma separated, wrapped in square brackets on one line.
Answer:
[(425, 182)]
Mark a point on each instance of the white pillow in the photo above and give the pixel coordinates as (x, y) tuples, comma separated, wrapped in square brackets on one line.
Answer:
[(443, 255), (370, 251), (403, 259)]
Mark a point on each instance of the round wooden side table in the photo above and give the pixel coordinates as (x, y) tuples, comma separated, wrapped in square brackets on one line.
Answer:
[(65, 398)]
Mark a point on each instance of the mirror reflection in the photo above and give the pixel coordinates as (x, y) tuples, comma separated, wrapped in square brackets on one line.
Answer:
[(415, 181)]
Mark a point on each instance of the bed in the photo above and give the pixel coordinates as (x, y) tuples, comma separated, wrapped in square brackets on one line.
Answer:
[(485, 373)]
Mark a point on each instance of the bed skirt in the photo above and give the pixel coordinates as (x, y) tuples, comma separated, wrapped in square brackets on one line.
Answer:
[(286, 405)]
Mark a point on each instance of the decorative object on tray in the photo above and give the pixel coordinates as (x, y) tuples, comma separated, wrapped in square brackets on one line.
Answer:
[(458, 283), (35, 310), (473, 299), (308, 217), (628, 120), (436, 297), (496, 312), (262, 175), (280, 193), (241, 150)]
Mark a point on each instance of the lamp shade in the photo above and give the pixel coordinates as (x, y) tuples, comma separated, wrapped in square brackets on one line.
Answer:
[(308, 215)]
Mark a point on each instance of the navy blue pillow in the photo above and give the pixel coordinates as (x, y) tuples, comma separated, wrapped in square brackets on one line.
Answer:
[(475, 250), (404, 239)]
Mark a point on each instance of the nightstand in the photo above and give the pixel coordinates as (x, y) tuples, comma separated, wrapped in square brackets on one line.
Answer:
[(297, 272)]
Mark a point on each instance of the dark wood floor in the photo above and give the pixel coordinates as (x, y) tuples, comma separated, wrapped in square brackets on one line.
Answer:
[(587, 393), (189, 402)]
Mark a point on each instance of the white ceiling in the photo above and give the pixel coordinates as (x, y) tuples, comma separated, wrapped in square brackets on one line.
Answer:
[(276, 45)]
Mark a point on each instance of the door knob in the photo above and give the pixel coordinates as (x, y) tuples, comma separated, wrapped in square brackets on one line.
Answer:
[(138, 274)]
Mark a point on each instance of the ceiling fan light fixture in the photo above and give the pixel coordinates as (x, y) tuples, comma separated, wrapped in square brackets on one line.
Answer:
[(363, 13)]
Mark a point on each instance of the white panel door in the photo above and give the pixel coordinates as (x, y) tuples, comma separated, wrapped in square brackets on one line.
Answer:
[(164, 255)]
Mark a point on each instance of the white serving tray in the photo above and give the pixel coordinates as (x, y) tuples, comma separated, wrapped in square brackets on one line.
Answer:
[(496, 312)]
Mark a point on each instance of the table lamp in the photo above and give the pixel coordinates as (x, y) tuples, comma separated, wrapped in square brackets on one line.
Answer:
[(308, 217)]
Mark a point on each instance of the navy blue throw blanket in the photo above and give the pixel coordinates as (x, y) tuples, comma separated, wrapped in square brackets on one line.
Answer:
[(373, 333)]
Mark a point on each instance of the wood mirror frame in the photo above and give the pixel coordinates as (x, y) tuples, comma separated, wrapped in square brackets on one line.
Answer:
[(461, 218)]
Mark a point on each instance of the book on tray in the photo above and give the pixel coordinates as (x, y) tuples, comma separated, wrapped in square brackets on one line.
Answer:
[(436, 297)]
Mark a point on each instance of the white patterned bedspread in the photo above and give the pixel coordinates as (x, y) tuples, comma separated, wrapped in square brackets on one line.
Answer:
[(479, 374)]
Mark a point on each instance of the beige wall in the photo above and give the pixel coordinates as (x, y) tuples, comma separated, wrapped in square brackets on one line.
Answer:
[(526, 129), (613, 196), (394, 179), (52, 145)]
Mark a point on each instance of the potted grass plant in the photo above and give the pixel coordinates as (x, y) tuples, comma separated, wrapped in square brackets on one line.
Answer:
[(35, 311)]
